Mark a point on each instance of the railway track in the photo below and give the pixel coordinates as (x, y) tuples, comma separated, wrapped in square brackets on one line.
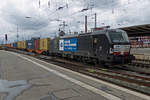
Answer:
[(122, 77), (137, 67), (144, 64), (119, 77)]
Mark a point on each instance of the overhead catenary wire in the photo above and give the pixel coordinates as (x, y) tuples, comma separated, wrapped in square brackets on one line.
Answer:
[(76, 12), (115, 8)]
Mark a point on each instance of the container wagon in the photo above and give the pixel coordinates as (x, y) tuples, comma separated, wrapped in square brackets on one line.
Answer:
[(37, 46), (19, 45), (8, 45), (30, 45), (14, 45), (44, 46), (23, 45)]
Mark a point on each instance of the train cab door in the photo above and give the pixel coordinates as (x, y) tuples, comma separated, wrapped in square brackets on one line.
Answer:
[(100, 46)]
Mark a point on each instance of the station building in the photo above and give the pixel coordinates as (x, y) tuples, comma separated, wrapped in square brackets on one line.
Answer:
[(139, 35)]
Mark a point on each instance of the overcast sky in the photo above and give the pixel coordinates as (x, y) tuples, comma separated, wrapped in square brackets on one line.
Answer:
[(44, 19)]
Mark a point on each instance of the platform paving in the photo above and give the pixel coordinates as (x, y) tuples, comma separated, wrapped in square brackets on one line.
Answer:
[(144, 51), (34, 79)]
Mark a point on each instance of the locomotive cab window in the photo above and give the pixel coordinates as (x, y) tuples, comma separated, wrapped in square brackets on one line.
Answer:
[(120, 36)]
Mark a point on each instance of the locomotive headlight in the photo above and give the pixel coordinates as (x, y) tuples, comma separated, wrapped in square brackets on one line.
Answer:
[(111, 51)]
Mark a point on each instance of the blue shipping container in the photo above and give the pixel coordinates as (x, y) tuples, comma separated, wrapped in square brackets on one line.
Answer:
[(68, 44), (15, 45), (30, 44)]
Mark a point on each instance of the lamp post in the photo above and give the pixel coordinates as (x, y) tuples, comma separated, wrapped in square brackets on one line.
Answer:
[(17, 36), (27, 17)]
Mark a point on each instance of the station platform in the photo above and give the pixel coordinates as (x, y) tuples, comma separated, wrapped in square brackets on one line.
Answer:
[(23, 77), (141, 53), (144, 51)]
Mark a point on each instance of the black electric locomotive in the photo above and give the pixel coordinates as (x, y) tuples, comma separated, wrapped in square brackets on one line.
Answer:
[(104, 46)]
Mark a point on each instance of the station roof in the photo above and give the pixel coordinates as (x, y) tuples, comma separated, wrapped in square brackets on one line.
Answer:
[(139, 30)]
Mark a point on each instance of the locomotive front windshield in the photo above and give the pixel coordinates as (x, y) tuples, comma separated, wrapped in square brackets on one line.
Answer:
[(120, 36)]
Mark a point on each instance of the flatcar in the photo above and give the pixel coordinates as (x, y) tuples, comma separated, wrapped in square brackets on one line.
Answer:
[(104, 46)]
